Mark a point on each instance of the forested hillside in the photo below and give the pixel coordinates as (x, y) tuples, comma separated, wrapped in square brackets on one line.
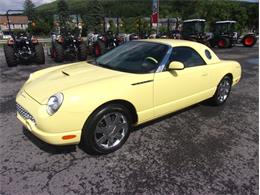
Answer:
[(245, 13)]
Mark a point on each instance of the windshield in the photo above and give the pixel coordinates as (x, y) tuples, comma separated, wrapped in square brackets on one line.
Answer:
[(134, 57), (224, 28), (191, 28)]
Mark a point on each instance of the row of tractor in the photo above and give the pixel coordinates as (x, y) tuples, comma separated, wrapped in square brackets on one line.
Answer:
[(67, 43), (223, 34)]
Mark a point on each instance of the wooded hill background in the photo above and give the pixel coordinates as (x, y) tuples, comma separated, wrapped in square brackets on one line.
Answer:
[(91, 11)]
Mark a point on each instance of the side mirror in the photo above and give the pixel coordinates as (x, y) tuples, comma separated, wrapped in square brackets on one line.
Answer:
[(176, 65)]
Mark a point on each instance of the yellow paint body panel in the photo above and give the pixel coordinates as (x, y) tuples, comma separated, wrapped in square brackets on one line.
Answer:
[(89, 86)]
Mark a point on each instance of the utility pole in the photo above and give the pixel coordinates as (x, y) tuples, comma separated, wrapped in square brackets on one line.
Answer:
[(158, 9)]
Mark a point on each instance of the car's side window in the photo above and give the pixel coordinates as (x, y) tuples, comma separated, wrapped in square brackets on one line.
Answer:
[(188, 56)]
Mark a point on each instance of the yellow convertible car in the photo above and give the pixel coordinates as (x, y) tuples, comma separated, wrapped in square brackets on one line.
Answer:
[(96, 104)]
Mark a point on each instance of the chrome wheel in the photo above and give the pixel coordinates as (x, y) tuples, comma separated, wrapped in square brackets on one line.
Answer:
[(223, 90), (111, 130)]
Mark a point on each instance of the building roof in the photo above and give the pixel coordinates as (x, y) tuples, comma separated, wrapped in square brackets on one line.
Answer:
[(14, 19)]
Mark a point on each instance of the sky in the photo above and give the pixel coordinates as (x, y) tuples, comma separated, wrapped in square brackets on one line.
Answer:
[(18, 4)]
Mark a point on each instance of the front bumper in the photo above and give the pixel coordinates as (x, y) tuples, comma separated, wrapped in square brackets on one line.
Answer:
[(33, 117), (50, 138)]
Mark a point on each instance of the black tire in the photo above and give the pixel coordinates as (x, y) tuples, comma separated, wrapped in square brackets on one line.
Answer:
[(212, 43), (82, 52), (249, 40), (51, 53), (39, 54), (10, 57), (59, 53), (88, 143), (216, 100), (223, 42)]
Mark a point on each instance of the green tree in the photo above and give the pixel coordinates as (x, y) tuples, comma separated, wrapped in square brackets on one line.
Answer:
[(29, 9), (63, 12), (253, 16), (94, 16), (112, 26)]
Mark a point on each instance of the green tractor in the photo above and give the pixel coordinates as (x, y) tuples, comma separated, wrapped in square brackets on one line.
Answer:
[(194, 30), (225, 36)]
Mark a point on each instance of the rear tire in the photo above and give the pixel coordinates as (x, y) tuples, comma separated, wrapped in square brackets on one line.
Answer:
[(89, 141), (10, 57), (249, 40), (222, 93), (82, 52), (223, 43), (59, 53), (39, 54)]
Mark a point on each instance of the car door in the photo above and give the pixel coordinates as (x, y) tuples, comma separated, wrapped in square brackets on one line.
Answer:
[(176, 89)]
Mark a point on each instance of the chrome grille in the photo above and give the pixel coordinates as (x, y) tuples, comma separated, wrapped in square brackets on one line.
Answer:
[(24, 113)]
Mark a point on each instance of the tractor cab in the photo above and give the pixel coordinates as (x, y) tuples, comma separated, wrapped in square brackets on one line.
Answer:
[(194, 30), (224, 28)]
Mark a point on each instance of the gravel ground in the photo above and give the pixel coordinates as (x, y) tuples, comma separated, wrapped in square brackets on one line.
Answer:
[(199, 150)]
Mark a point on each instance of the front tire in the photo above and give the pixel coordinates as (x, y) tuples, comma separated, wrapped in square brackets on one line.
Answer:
[(10, 57), (106, 130), (223, 90)]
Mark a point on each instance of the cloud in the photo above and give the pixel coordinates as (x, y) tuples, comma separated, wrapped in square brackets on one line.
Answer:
[(18, 4)]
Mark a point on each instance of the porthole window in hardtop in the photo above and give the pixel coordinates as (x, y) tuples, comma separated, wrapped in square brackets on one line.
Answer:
[(208, 54)]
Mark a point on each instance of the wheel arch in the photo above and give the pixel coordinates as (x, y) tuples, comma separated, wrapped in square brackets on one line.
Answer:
[(122, 102), (229, 75)]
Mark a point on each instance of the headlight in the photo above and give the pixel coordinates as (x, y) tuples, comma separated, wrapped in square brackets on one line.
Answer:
[(54, 103)]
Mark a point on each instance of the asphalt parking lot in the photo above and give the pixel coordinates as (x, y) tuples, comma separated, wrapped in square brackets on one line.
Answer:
[(199, 150)]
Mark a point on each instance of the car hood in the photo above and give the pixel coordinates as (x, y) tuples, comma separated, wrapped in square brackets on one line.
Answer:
[(43, 86)]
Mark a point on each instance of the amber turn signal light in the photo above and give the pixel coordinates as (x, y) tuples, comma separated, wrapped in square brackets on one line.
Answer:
[(68, 137)]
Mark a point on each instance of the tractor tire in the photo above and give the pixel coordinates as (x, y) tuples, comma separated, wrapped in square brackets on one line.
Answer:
[(99, 48), (39, 54), (212, 43), (58, 53), (51, 52), (249, 40), (82, 52), (230, 45), (223, 42), (10, 56)]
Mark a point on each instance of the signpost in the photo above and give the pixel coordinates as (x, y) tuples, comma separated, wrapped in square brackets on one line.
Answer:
[(155, 14)]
